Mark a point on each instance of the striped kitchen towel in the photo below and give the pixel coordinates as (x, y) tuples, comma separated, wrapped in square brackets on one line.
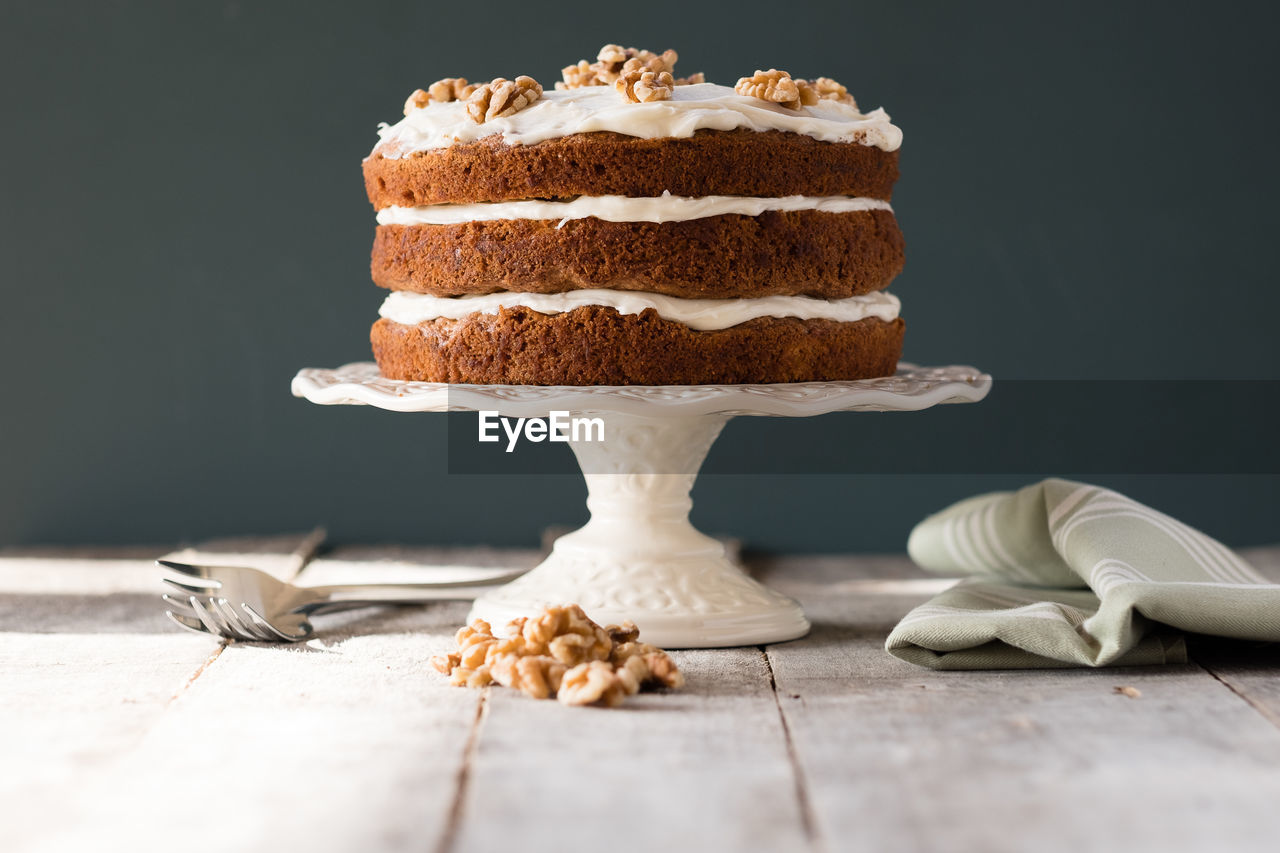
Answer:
[(1066, 574)]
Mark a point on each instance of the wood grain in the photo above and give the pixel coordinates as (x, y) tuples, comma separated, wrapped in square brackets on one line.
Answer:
[(113, 725)]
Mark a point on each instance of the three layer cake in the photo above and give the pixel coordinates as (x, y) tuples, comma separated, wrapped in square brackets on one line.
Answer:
[(630, 228)]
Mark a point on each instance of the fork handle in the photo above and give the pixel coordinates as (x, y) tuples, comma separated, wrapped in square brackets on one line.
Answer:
[(345, 596)]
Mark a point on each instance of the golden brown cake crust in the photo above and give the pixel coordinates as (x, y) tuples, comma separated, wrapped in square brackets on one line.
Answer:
[(595, 345), (735, 162), (810, 253)]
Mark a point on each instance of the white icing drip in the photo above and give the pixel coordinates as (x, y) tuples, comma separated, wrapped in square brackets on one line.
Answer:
[(618, 208), (702, 314), (705, 106)]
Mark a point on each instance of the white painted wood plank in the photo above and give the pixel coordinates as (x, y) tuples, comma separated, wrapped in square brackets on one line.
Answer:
[(70, 704), (894, 757), (347, 743), (88, 667), (402, 564), (905, 759), (898, 757), (1252, 670), (705, 768)]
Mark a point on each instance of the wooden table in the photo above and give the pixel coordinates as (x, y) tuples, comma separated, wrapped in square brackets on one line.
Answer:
[(119, 732)]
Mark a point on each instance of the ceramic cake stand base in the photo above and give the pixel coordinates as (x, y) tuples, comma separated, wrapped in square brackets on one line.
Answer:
[(638, 557)]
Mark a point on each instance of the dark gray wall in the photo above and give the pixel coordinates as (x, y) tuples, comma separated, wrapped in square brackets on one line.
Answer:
[(1089, 191)]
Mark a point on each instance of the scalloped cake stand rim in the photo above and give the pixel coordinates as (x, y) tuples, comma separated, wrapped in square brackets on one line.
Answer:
[(912, 388)]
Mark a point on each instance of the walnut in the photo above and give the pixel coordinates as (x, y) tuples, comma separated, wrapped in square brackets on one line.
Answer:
[(535, 675), (829, 90), (654, 666), (633, 674), (591, 683), (451, 89), (568, 635), (465, 676), (641, 87), (441, 91), (474, 642), (510, 646), (579, 75), (419, 99), (501, 97), (615, 55), (663, 670), (692, 79), (627, 632), (478, 627), (573, 649), (614, 59), (644, 60), (538, 655), (808, 94), (776, 86), (444, 664), (610, 63), (554, 621)]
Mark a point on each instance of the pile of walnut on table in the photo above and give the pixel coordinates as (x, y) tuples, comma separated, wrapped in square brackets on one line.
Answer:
[(560, 653)]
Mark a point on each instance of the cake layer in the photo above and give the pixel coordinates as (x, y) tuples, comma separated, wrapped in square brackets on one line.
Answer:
[(735, 162), (598, 346), (809, 253)]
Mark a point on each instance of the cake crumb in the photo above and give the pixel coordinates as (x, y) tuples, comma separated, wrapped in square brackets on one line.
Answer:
[(1131, 692)]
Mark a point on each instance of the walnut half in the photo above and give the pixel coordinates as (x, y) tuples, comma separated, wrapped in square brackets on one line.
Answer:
[(451, 89), (641, 87), (502, 97), (592, 683), (830, 90), (441, 92), (778, 87)]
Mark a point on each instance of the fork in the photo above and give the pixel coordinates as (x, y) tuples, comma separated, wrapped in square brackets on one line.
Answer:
[(246, 604)]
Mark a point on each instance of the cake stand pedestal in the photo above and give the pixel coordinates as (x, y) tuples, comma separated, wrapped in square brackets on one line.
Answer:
[(638, 557)]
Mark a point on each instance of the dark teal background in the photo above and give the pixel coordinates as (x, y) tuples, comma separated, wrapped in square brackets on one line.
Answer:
[(1089, 191)]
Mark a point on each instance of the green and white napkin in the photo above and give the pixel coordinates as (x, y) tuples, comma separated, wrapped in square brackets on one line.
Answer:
[(1066, 574)]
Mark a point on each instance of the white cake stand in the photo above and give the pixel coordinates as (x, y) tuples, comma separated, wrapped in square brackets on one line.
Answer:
[(638, 557)]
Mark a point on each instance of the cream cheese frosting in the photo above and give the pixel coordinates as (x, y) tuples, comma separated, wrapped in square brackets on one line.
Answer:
[(410, 308), (617, 208), (705, 106)]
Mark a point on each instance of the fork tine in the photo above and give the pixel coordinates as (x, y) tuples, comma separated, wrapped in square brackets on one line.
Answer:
[(180, 605), (189, 588), (241, 623), (185, 568), (267, 626), (212, 621), (187, 623), (218, 608)]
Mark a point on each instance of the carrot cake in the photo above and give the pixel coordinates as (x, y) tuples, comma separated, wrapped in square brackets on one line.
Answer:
[(633, 228)]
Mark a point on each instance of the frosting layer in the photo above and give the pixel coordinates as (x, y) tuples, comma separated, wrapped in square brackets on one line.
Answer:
[(618, 208), (409, 308), (706, 106)]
